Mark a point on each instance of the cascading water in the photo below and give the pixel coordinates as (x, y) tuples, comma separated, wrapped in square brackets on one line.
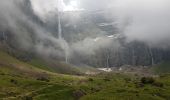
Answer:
[(63, 8), (59, 27), (63, 42)]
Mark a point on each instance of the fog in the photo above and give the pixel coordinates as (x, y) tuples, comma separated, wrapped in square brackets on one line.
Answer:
[(142, 20), (149, 20), (28, 34)]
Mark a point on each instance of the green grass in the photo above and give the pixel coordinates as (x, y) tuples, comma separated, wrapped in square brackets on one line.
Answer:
[(40, 64), (101, 87), (54, 66), (60, 92), (163, 67), (120, 87), (19, 81)]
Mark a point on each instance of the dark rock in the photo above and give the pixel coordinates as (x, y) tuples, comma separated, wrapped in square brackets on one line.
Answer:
[(78, 94)]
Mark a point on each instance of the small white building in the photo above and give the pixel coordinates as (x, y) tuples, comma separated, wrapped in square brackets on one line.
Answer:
[(105, 69)]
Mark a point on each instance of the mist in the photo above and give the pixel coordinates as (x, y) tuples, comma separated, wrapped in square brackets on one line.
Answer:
[(141, 20), (149, 21), (136, 20), (27, 33), (30, 35)]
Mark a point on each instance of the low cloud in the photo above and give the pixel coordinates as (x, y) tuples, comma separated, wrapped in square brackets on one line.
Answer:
[(28, 34), (142, 20), (148, 20)]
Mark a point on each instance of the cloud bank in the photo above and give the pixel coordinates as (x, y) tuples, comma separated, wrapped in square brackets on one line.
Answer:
[(143, 20), (26, 32), (148, 20)]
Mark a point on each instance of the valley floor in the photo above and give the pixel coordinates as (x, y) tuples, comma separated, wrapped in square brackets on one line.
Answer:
[(101, 87), (22, 81)]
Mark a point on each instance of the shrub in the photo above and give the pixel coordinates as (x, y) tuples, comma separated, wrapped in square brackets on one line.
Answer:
[(78, 94), (90, 79), (13, 81), (29, 98), (106, 79), (121, 90), (139, 85), (127, 79), (158, 84), (147, 80), (95, 89), (43, 79), (2, 73)]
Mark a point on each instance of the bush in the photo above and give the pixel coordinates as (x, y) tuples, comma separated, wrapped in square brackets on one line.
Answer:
[(26, 98), (90, 79), (147, 80), (106, 79), (13, 81), (78, 94), (29, 98), (139, 85), (158, 84), (121, 90), (43, 79), (95, 89), (2, 73), (127, 79)]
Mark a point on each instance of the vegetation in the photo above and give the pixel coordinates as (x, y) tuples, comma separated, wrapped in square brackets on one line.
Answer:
[(163, 67), (35, 44), (63, 87), (22, 81)]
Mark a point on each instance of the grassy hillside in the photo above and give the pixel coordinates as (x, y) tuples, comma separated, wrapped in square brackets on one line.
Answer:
[(102, 87), (22, 81), (161, 68), (54, 66), (125, 87), (29, 58)]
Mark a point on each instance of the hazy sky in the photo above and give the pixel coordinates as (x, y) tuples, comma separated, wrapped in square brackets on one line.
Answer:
[(43, 7), (149, 19), (144, 20)]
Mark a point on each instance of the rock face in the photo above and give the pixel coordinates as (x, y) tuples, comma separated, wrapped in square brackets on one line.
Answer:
[(134, 53), (26, 37), (78, 94)]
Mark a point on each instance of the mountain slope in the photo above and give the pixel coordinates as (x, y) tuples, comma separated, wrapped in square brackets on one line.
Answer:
[(162, 68), (20, 81)]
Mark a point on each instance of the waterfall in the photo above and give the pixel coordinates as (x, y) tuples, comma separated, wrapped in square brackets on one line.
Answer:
[(64, 44), (59, 27), (59, 21)]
